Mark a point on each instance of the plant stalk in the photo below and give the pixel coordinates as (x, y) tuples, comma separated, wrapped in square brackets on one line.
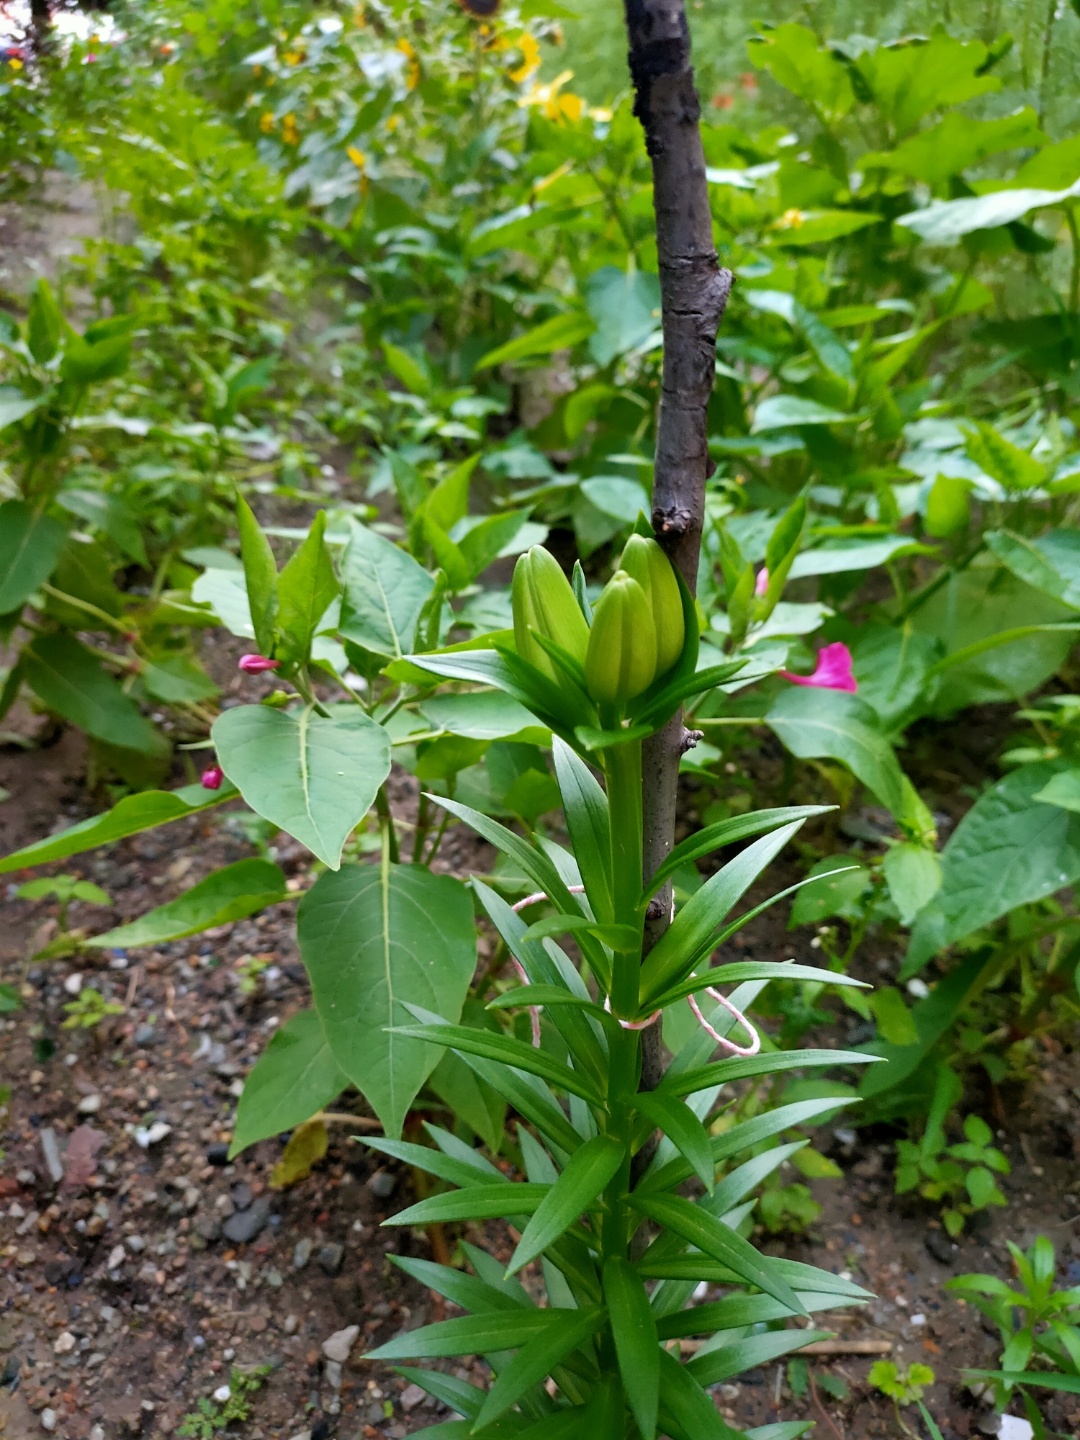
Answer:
[(694, 291)]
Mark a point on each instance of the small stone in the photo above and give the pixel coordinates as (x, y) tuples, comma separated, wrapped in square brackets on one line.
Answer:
[(48, 1419), (330, 1257), (337, 1346), (96, 1359), (144, 1035), (291, 1325), (273, 1278), (90, 1105), (136, 1244), (229, 1354), (222, 1393), (411, 1396), (50, 1149), (301, 1435), (217, 1154), (382, 1184), (97, 1433), (208, 1228), (302, 1253), (246, 1224), (117, 1255), (1014, 1427), (108, 1314), (64, 1343), (332, 1371), (940, 1246), (25, 1177), (225, 1205), (242, 1196), (145, 1136), (73, 983)]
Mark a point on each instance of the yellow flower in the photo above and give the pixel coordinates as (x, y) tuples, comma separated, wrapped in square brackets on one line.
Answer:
[(15, 62), (556, 106), (412, 70), (791, 220), (358, 158), (266, 121), (530, 63), (359, 16), (289, 132), (293, 57)]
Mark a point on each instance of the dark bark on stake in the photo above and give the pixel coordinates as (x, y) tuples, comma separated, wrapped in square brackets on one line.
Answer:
[(694, 291)]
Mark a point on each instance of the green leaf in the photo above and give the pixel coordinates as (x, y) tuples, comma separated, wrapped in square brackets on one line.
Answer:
[(956, 142), (559, 333), (722, 1363), (314, 776), (471, 1334), (129, 816), (680, 946), (471, 1293), (684, 1129), (811, 71), (370, 946), (1046, 1380), (783, 412), (686, 1411), (1010, 849), (294, 1078), (485, 542), (826, 344), (1000, 458), (914, 876), (567, 1329), (588, 1171), (44, 323), (177, 679), (385, 592), (505, 1050), (260, 575), (410, 372), (457, 1395), (694, 1225), (483, 715), (616, 496), (633, 1329), (30, 544), (586, 810), (626, 308), (478, 1202), (227, 895), (727, 832), (306, 587), (943, 222), (839, 557), (449, 501), (16, 406), (815, 724), (1063, 789), (722, 1072), (226, 593), (818, 227), (456, 1172), (482, 1108), (1034, 562), (893, 1017), (73, 684)]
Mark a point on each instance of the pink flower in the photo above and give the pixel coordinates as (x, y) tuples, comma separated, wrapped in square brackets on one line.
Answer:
[(761, 584), (833, 670), (256, 664), (211, 777)]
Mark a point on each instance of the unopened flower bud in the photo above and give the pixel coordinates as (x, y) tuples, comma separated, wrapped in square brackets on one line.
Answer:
[(621, 660), (257, 664), (211, 777), (543, 601), (644, 561)]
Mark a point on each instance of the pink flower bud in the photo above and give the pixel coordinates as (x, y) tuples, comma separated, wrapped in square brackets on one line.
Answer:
[(257, 664), (211, 777), (833, 671), (761, 584)]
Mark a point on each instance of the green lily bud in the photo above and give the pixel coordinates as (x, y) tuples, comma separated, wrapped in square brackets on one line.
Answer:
[(543, 601), (621, 661), (644, 560)]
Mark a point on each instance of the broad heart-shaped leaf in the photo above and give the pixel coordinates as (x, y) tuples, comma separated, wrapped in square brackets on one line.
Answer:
[(128, 816), (1009, 849), (626, 309), (29, 546), (306, 587), (815, 723), (684, 1129), (71, 682), (260, 576), (226, 895), (315, 776), (373, 939), (538, 1358), (682, 944), (588, 1171), (385, 591), (294, 1078), (694, 1225), (943, 222), (636, 1345), (483, 715)]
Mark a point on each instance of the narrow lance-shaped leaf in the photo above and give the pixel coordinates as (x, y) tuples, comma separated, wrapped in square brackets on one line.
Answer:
[(227, 895), (260, 574), (306, 587), (636, 1344), (684, 1129), (588, 1171), (534, 1361)]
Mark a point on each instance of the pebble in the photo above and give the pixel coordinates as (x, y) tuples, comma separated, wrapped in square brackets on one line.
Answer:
[(337, 1346), (333, 1374), (51, 1151), (301, 1435), (144, 1035), (291, 1325), (225, 1205), (73, 984), (136, 1244), (90, 1105), (217, 1154), (48, 1419), (208, 1228), (411, 1396), (246, 1224), (222, 1393), (97, 1433), (330, 1257), (64, 1343), (116, 1258), (940, 1247), (242, 1196), (152, 1135), (302, 1253), (382, 1184)]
